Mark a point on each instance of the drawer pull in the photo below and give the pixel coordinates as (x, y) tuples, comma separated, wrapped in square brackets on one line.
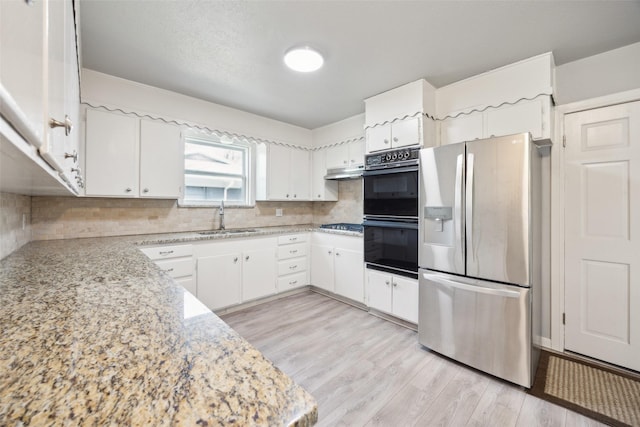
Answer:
[(293, 283), (165, 252), (168, 270), (293, 239), (293, 267), (293, 251)]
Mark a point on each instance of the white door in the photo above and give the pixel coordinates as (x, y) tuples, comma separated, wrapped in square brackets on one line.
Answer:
[(258, 273), (219, 280), (406, 132), (602, 234), (322, 267), (300, 178), (111, 154), (349, 274), (161, 160), (279, 172), (405, 298), (379, 290), (378, 138)]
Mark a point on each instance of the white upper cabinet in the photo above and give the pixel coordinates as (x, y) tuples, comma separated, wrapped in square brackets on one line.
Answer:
[(512, 99), (322, 189), (283, 173), (111, 154), (462, 128), (60, 138), (39, 87), (300, 178), (402, 133), (161, 160), (129, 157), (22, 39), (346, 155), (401, 117)]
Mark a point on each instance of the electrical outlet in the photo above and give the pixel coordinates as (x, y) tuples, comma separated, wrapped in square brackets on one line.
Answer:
[(278, 212)]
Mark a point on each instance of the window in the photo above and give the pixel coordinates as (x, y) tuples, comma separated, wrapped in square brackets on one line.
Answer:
[(215, 169)]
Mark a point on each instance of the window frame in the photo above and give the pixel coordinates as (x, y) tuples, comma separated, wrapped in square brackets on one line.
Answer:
[(249, 177)]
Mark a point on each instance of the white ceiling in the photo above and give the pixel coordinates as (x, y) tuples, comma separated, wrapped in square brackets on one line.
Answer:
[(230, 52)]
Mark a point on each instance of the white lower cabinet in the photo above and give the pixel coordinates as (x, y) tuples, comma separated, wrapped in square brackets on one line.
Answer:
[(293, 271), (176, 261), (228, 273), (220, 280), (393, 294), (337, 264)]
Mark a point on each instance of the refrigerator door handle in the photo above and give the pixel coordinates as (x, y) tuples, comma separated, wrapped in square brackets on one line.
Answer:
[(457, 206), (435, 278), (469, 206)]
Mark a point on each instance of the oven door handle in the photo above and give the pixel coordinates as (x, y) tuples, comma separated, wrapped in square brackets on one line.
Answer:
[(389, 171), (390, 224)]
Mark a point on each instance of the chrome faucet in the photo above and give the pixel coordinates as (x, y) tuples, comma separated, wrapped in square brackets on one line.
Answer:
[(221, 211)]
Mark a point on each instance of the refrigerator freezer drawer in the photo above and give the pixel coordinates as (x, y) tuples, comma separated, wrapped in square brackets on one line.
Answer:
[(482, 324)]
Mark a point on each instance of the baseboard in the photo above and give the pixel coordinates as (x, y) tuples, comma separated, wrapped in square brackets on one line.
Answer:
[(340, 298), (234, 308)]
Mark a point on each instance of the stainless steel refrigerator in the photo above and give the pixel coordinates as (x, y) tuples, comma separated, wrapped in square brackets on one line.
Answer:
[(480, 254)]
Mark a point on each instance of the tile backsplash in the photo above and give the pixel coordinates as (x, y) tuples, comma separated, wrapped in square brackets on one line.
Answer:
[(348, 208), (77, 217), (13, 208)]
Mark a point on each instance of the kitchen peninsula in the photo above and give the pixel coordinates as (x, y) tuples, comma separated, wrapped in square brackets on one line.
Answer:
[(94, 333)]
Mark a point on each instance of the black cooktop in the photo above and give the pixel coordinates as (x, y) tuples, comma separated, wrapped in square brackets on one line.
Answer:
[(344, 226)]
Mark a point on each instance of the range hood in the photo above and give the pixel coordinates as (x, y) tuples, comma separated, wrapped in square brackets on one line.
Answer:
[(345, 173)]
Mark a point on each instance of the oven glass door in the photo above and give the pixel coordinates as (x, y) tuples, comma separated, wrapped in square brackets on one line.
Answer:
[(391, 244), (391, 192)]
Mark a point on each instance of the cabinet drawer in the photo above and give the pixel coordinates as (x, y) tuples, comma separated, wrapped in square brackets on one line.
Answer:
[(293, 265), (292, 251), (292, 281), (292, 238), (177, 267), (168, 251)]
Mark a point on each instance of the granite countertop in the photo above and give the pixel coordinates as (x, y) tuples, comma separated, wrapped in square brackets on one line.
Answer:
[(93, 333), (196, 236)]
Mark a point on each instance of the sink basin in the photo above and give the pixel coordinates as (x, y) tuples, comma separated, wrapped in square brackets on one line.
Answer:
[(222, 232)]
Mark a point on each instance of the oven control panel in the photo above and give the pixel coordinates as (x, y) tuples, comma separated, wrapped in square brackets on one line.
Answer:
[(393, 158)]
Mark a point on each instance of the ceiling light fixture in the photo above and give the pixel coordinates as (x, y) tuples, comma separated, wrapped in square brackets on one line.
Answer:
[(303, 59)]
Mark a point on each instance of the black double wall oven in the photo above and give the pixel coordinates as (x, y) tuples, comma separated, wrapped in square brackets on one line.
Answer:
[(391, 211)]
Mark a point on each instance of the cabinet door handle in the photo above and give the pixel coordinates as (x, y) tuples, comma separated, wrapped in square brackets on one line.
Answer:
[(235, 260), (395, 139), (73, 156), (67, 124), (128, 190), (337, 253), (246, 258), (146, 190), (287, 196), (395, 284), (386, 141), (329, 252), (386, 282)]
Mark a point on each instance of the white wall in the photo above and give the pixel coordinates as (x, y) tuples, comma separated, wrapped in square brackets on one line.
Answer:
[(109, 91), (607, 73), (344, 130)]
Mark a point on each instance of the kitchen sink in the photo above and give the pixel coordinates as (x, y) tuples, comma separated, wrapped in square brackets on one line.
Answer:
[(222, 232)]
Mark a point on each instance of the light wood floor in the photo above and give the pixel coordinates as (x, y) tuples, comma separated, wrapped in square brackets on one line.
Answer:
[(365, 371)]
